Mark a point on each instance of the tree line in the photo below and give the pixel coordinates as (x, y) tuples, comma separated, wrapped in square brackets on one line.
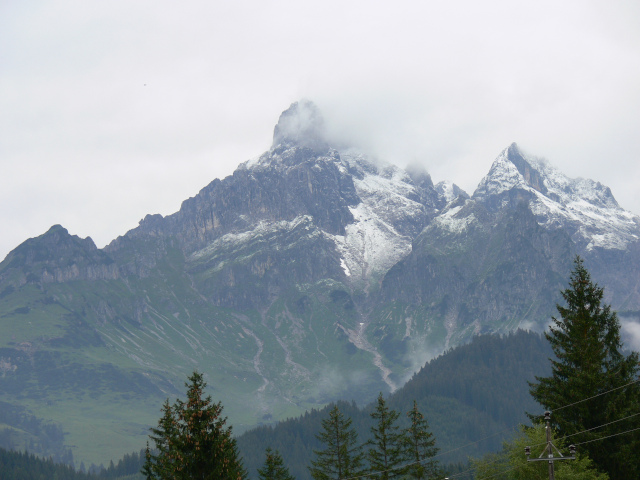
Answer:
[(27, 466), (466, 392), (391, 452), (192, 441)]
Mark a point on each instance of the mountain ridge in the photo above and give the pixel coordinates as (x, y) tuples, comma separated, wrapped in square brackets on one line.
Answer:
[(314, 272)]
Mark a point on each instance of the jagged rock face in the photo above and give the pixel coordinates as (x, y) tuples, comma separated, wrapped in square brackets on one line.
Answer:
[(253, 268), (394, 208), (304, 212), (449, 192), (286, 185)]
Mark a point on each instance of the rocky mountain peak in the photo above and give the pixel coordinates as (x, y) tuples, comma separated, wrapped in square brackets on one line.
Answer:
[(419, 175), (301, 125), (54, 244), (531, 176), (449, 191), (583, 207), (56, 256), (512, 169)]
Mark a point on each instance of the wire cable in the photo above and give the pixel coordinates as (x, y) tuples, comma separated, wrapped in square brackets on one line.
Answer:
[(473, 443), (604, 438), (591, 398), (589, 429)]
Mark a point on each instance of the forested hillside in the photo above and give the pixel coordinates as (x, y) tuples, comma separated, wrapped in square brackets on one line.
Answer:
[(468, 393), (26, 466)]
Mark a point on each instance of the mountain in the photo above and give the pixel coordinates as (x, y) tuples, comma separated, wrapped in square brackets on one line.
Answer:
[(498, 260), (315, 272), (603, 232)]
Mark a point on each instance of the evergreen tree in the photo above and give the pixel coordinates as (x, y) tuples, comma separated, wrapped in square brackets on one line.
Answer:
[(165, 437), (385, 453), (420, 447), (342, 457), (192, 442), (274, 468), (586, 341)]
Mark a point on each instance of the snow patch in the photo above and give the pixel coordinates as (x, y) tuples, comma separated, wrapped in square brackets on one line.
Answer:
[(453, 224), (370, 245), (344, 266), (262, 228), (375, 241)]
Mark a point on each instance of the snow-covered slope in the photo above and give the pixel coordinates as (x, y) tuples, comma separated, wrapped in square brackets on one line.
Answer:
[(587, 209), (387, 218)]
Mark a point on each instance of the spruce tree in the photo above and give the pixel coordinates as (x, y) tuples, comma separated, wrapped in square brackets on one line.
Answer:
[(342, 457), (274, 468), (586, 341), (420, 447), (385, 453), (161, 464), (192, 442)]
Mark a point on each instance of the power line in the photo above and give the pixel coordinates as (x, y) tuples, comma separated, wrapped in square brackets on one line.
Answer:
[(599, 394), (459, 474), (512, 468), (473, 443), (550, 457), (604, 438), (555, 410), (589, 398), (592, 428), (537, 445)]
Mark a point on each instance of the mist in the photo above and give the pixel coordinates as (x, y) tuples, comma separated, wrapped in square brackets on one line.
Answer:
[(630, 332)]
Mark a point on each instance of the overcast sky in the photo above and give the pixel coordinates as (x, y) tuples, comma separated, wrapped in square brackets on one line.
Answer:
[(110, 110)]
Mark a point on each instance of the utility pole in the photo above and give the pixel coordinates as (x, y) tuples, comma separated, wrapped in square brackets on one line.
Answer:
[(549, 449)]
